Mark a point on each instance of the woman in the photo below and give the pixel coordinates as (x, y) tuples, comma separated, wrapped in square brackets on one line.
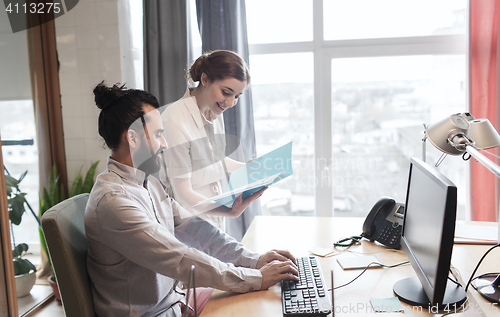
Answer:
[(194, 130)]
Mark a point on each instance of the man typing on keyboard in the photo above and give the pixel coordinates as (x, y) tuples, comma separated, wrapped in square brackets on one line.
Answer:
[(139, 244)]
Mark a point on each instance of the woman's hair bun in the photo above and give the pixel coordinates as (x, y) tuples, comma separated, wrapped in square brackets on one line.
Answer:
[(197, 68), (106, 96)]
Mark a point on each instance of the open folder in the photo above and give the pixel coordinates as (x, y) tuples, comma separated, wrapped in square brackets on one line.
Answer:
[(257, 174)]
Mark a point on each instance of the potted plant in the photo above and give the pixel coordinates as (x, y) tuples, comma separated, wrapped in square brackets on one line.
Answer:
[(25, 271), (54, 195)]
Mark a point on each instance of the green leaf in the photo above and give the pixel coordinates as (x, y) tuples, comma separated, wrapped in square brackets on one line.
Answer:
[(44, 245), (78, 187), (19, 250), (14, 217), (11, 181), (62, 196), (77, 184), (16, 209), (47, 200), (54, 192), (89, 178), (30, 265), (22, 176), (19, 197), (53, 174), (17, 267), (53, 186), (23, 266), (41, 206)]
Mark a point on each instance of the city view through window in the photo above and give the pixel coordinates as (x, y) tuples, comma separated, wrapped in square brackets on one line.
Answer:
[(379, 101), (378, 122)]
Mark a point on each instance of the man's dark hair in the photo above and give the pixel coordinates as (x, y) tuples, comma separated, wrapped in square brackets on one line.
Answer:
[(120, 108)]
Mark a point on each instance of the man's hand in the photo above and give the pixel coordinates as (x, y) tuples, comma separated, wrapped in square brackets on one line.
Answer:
[(280, 255), (276, 271)]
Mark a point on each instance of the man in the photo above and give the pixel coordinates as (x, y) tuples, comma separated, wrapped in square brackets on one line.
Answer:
[(139, 245)]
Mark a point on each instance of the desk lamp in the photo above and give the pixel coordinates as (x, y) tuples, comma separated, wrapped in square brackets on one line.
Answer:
[(459, 134)]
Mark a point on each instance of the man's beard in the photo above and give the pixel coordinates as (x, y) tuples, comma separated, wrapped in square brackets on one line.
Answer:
[(153, 164)]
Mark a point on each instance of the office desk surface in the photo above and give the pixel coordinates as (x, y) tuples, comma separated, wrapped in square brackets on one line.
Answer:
[(300, 234)]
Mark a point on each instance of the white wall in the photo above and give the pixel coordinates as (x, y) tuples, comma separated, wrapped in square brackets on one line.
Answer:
[(89, 51)]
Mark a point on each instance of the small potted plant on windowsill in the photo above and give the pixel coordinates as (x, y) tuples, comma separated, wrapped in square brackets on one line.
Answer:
[(25, 271)]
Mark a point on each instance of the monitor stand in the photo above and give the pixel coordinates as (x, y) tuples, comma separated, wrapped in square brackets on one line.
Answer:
[(489, 287), (410, 291)]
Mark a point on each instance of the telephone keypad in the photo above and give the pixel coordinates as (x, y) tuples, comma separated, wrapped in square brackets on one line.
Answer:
[(389, 234)]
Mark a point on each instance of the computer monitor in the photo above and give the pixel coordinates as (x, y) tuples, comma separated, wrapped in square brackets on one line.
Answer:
[(427, 239)]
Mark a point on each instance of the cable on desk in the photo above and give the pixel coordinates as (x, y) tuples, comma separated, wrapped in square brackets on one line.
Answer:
[(483, 275), (367, 267), (454, 280), (465, 305), (477, 267), (347, 242), (453, 270)]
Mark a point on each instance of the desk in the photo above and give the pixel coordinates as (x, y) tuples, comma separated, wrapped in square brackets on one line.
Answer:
[(299, 234)]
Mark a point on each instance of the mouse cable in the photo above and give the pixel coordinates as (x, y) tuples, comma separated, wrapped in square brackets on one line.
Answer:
[(367, 267), (478, 264)]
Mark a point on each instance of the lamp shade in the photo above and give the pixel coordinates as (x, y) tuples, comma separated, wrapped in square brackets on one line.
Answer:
[(439, 133), (483, 134)]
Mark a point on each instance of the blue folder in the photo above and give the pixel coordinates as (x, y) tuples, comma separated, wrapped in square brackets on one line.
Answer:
[(262, 172)]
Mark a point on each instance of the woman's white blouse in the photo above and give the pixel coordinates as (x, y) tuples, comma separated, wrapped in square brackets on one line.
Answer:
[(195, 150)]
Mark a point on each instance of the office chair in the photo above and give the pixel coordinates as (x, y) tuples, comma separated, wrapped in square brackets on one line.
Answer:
[(64, 230)]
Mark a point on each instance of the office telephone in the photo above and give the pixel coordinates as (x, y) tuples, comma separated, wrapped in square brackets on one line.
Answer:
[(384, 223)]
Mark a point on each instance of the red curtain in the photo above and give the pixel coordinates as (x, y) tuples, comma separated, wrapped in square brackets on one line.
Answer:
[(484, 100)]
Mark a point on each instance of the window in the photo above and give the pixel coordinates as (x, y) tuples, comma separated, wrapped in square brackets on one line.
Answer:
[(281, 21), (377, 123), (282, 93), (17, 122), (352, 83), (363, 19)]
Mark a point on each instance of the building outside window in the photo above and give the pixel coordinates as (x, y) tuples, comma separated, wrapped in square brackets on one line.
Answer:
[(351, 83)]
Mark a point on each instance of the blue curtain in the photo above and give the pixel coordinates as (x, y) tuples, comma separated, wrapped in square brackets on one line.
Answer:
[(222, 25)]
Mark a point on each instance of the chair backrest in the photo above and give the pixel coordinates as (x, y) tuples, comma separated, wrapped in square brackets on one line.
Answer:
[(64, 230)]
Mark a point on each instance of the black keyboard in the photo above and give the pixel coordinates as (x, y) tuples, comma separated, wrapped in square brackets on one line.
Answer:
[(309, 295)]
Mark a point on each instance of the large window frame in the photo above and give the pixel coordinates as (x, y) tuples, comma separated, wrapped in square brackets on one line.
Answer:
[(326, 50)]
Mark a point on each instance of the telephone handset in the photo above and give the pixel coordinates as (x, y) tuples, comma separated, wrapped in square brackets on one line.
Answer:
[(384, 223)]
